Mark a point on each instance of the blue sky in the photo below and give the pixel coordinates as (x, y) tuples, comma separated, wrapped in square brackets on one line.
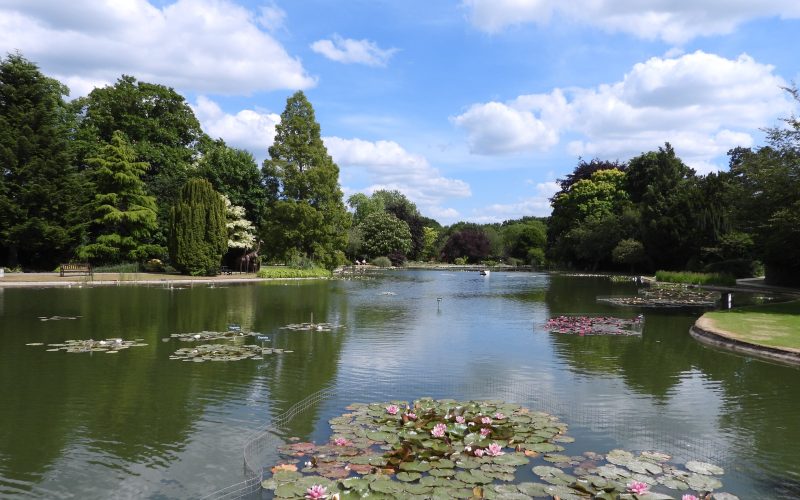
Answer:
[(471, 108)]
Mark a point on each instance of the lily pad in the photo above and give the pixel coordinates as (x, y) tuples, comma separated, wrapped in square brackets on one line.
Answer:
[(704, 468)]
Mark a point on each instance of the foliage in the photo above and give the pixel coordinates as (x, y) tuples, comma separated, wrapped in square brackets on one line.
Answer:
[(278, 272), (305, 210), (429, 237), (383, 234), (526, 240), (122, 267), (470, 243), (241, 232), (381, 262), (198, 235), (234, 173), (125, 215), (363, 206), (41, 192), (690, 278), (160, 125), (629, 251)]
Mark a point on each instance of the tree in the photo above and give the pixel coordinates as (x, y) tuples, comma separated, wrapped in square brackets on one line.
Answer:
[(234, 173), (629, 252), (397, 204), (241, 232), (158, 122), (524, 236), (430, 235), (307, 215), (41, 192), (384, 234), (470, 242), (364, 206), (125, 215), (198, 232)]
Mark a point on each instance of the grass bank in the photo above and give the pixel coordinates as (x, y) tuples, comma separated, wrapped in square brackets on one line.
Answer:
[(278, 272), (773, 325), (690, 278)]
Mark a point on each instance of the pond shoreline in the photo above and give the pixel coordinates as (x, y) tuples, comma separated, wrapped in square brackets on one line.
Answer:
[(48, 280), (705, 332)]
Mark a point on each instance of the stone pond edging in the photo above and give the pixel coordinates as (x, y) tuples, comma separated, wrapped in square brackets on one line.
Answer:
[(703, 331)]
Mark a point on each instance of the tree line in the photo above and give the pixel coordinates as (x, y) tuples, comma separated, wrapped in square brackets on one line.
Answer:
[(126, 174)]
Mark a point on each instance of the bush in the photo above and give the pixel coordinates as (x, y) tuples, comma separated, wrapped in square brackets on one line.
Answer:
[(125, 267), (460, 261), (154, 266), (291, 272), (398, 259), (513, 261), (740, 268), (381, 262), (690, 278)]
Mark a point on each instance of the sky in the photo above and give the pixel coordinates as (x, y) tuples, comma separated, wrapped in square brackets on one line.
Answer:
[(471, 108)]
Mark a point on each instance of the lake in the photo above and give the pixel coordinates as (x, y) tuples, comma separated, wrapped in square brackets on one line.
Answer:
[(139, 424)]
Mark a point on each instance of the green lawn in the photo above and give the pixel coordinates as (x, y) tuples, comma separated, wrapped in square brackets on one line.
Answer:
[(775, 325)]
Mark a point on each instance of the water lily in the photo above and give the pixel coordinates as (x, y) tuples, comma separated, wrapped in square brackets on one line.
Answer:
[(438, 430), (638, 487), (499, 416), (486, 420), (479, 452), (392, 409), (494, 450), (460, 419), (317, 491), (689, 497), (468, 448), (340, 442), (411, 415), (485, 432)]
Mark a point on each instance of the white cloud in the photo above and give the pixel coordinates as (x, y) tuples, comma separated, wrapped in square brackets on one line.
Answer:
[(272, 17), (387, 165), (347, 51), (248, 129), (668, 20), (702, 103), (205, 45), (536, 205)]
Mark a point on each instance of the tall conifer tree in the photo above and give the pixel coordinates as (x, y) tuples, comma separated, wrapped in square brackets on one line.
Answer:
[(198, 234), (307, 215)]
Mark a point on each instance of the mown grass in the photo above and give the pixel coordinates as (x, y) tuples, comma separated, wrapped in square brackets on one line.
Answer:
[(775, 325), (279, 272), (690, 278)]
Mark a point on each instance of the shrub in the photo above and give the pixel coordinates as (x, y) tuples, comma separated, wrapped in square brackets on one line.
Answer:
[(690, 278), (740, 268), (460, 261), (398, 259), (125, 267), (291, 272), (381, 262)]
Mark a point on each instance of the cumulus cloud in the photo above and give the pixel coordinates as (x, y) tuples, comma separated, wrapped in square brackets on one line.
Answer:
[(387, 165), (248, 129), (205, 45), (537, 205), (702, 103), (670, 21), (349, 51), (272, 17)]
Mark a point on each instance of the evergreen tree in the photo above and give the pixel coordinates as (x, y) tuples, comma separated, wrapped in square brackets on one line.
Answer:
[(198, 232), (125, 215), (307, 215), (40, 189)]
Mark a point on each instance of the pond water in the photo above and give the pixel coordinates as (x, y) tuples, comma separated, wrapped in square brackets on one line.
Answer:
[(138, 424)]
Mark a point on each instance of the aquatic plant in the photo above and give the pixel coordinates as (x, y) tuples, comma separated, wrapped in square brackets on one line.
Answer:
[(223, 352), (595, 325), (109, 346)]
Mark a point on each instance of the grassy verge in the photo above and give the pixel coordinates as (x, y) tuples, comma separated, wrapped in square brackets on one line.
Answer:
[(774, 325), (690, 278), (290, 272)]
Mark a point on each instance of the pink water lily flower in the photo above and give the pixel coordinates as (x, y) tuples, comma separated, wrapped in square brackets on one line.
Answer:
[(494, 450), (638, 487), (438, 430), (411, 415), (460, 419), (479, 452), (486, 420), (689, 497), (340, 442), (485, 432), (392, 409), (499, 416), (317, 491)]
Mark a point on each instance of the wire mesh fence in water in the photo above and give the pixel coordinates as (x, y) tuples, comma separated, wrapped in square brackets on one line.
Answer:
[(602, 421)]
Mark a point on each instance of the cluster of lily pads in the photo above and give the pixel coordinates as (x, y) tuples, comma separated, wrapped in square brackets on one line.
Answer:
[(223, 352), (109, 346), (56, 318), (207, 335), (468, 449), (667, 295), (311, 326), (595, 325)]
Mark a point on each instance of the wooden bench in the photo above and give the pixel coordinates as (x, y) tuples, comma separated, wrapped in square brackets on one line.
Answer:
[(83, 268)]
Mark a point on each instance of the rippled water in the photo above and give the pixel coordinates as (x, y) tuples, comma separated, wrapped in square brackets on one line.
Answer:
[(136, 424)]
